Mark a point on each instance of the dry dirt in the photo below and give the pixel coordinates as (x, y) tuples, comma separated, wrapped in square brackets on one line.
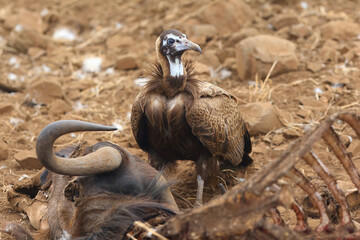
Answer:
[(42, 79)]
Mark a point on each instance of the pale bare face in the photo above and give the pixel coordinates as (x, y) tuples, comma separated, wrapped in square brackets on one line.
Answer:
[(172, 44)]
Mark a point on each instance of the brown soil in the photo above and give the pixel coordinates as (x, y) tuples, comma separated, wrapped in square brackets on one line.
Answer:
[(106, 97)]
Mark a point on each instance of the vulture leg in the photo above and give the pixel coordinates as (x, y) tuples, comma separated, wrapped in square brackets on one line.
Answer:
[(199, 193), (314, 195), (311, 159), (222, 188)]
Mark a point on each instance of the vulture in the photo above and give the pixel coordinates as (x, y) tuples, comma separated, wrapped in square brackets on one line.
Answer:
[(178, 117)]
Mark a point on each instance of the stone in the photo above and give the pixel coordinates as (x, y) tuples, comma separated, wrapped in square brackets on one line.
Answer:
[(290, 133), (354, 148), (226, 16), (278, 139), (304, 113), (329, 51), (127, 62), (43, 91), (310, 102), (242, 34), (314, 66), (36, 52), (284, 20), (6, 108), (119, 41), (59, 106), (256, 55), (25, 39), (25, 19), (28, 160), (225, 53), (340, 30), (203, 30), (261, 117), (230, 63), (300, 30), (4, 150)]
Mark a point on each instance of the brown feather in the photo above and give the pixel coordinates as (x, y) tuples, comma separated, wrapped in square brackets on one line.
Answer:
[(196, 121)]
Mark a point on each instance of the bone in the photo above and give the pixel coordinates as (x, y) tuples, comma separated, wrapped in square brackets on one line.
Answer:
[(315, 198), (199, 193), (301, 219), (311, 159), (352, 120), (333, 140), (276, 217)]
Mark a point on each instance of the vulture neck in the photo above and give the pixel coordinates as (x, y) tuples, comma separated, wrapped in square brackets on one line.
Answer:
[(174, 74)]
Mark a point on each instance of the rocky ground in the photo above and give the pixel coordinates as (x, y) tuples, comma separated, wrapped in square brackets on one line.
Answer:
[(290, 63)]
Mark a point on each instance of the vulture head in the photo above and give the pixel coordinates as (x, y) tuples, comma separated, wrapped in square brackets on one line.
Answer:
[(170, 46)]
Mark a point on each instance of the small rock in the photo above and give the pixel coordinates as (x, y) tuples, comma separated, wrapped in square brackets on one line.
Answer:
[(257, 55), (4, 150), (354, 148), (43, 91), (242, 34), (311, 102), (340, 30), (353, 199), (26, 19), (262, 117), (329, 51), (314, 66), (127, 62), (119, 41), (304, 113), (284, 20), (25, 39), (300, 30), (290, 133), (203, 30), (28, 160), (6, 108), (225, 53), (59, 106), (226, 16), (230, 63), (36, 52), (345, 139), (278, 139)]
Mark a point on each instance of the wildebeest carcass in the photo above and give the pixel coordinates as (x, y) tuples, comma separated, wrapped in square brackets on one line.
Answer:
[(97, 193)]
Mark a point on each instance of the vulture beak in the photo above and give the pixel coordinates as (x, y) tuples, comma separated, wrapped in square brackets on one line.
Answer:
[(185, 44)]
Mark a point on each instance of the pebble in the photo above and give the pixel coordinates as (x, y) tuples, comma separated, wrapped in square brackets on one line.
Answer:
[(127, 62), (28, 160)]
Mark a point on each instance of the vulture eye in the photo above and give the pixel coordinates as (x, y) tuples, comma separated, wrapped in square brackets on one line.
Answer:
[(170, 41)]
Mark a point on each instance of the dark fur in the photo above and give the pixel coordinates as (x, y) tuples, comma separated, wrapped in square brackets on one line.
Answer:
[(102, 206)]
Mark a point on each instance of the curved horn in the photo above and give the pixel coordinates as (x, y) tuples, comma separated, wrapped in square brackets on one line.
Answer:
[(103, 160)]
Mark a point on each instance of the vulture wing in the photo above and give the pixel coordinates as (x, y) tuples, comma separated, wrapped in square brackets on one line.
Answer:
[(138, 123), (216, 120)]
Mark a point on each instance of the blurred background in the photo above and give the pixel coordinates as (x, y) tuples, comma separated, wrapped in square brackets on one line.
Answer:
[(290, 63)]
